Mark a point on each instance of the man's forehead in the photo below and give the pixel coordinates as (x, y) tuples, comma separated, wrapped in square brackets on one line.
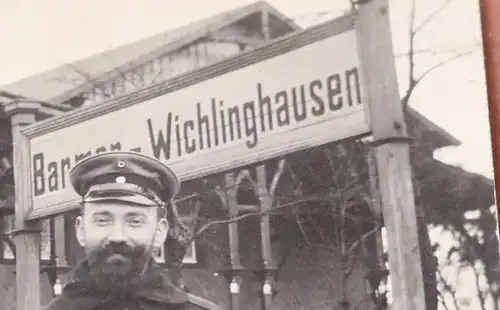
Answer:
[(117, 208)]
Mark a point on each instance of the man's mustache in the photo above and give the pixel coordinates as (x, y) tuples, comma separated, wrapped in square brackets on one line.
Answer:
[(102, 253)]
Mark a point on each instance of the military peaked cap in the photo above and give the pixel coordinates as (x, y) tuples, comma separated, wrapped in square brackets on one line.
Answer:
[(124, 176)]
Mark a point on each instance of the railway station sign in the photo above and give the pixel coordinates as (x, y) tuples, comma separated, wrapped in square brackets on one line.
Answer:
[(294, 93)]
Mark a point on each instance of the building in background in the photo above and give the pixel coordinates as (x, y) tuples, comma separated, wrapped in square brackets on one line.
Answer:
[(310, 268)]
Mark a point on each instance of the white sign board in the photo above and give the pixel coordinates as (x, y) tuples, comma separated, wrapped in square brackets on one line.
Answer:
[(299, 92)]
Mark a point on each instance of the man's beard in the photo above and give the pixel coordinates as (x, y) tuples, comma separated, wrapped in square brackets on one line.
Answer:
[(117, 266)]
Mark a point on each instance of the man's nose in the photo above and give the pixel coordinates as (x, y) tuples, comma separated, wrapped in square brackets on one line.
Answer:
[(117, 233)]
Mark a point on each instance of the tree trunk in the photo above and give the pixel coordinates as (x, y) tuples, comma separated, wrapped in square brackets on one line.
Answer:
[(429, 261)]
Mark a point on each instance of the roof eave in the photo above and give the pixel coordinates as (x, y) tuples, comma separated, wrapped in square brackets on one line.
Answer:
[(272, 10), (12, 103), (451, 140)]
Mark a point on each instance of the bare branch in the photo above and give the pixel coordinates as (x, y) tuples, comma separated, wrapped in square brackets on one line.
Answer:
[(363, 238), (477, 280), (352, 264), (194, 214), (446, 61), (297, 219), (411, 48), (350, 254), (195, 195), (413, 30), (361, 304), (448, 288), (440, 64), (428, 51), (231, 220), (431, 16), (443, 301), (317, 200), (226, 221)]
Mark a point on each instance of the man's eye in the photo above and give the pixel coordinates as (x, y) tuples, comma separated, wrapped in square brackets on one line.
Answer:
[(135, 222), (102, 220)]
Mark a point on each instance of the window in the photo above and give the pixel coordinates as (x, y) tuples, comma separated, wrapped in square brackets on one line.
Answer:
[(8, 224), (7, 253), (189, 258)]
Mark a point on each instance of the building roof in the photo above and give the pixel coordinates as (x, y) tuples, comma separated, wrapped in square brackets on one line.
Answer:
[(51, 85), (441, 137), (62, 83)]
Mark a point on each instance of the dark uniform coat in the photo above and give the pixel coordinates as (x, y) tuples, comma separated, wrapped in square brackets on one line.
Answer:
[(154, 292)]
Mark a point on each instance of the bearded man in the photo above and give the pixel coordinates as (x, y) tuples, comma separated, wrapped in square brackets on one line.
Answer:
[(126, 213)]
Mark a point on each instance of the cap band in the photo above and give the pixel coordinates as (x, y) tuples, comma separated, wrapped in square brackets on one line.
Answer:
[(122, 191), (128, 178)]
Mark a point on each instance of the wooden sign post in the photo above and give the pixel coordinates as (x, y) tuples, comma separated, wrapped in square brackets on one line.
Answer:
[(331, 82), (392, 155), (26, 235)]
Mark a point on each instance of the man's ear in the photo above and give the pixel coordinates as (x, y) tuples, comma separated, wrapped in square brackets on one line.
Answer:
[(161, 233), (79, 231)]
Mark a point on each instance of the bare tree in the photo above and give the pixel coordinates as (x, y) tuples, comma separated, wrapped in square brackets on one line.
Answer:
[(334, 181), (448, 289), (423, 213)]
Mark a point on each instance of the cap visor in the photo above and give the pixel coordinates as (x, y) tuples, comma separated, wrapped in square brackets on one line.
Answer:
[(123, 197)]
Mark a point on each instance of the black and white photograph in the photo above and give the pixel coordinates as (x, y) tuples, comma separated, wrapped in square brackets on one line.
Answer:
[(246, 155)]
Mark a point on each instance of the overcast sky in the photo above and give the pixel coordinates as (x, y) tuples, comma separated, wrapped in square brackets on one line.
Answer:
[(39, 35)]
